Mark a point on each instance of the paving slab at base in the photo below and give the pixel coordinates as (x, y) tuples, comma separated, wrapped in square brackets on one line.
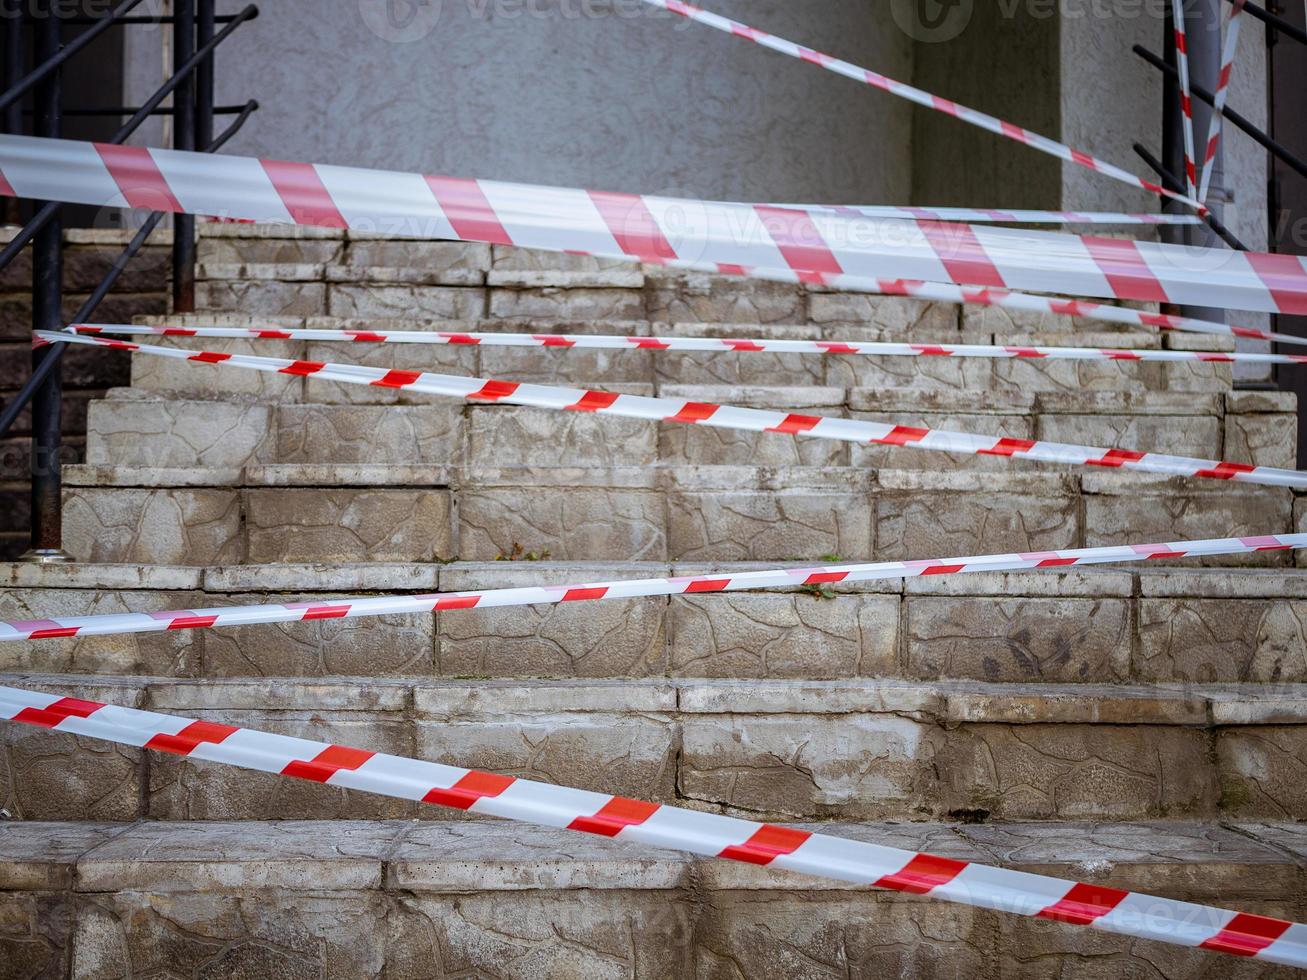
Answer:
[(394, 899)]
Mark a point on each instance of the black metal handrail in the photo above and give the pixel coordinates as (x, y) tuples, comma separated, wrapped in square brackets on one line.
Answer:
[(192, 90), (1172, 183), (69, 50), (16, 404), (1276, 149), (1279, 23), (48, 210)]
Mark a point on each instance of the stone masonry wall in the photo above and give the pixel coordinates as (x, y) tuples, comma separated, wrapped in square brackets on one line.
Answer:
[(142, 289)]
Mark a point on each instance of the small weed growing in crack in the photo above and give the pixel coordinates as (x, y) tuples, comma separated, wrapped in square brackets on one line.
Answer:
[(817, 591), (517, 554)]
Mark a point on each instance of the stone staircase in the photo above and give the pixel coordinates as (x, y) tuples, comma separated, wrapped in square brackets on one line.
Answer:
[(1141, 727)]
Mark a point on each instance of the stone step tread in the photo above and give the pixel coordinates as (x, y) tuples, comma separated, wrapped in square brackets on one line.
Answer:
[(1032, 332), (776, 751), (1027, 478), (1069, 626), (938, 702), (1203, 861), (861, 399), (1147, 580)]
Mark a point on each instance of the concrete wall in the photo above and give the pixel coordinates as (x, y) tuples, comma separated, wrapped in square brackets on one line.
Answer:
[(600, 93), (1004, 60)]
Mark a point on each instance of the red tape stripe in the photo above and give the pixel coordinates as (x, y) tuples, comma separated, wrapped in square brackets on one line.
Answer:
[(467, 209), (1083, 904), (191, 737), (633, 226), (767, 843), (615, 815), (960, 250), (1246, 935), (302, 191), (55, 712), (1124, 268), (138, 177), (800, 243), (327, 763), (470, 788), (1285, 277), (922, 874)]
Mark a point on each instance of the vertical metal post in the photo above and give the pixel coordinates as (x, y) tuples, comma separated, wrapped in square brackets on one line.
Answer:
[(183, 138), (47, 314), (12, 27), (204, 88)]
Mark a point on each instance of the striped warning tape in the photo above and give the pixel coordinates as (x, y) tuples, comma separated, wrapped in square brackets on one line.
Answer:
[(1006, 299), (1228, 53), (657, 825), (1186, 101), (352, 607), (719, 416), (1003, 215), (939, 104), (1084, 309), (817, 246), (707, 345)]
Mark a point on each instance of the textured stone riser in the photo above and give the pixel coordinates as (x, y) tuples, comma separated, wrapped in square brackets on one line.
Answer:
[(598, 369), (130, 430), (403, 901), (1161, 626), (351, 514), (866, 750)]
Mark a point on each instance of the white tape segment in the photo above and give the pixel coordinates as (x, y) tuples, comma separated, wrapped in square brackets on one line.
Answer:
[(993, 124), (718, 416), (1006, 299), (352, 607), (818, 247), (1014, 216), (657, 825), (1186, 99), (702, 345), (1228, 53)]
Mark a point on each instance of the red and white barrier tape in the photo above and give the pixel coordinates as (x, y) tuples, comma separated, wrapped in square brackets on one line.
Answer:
[(920, 97), (703, 345), (1186, 100), (1082, 308), (816, 246), (1005, 216), (352, 607), (720, 416), (657, 825), (1006, 299), (1228, 53)]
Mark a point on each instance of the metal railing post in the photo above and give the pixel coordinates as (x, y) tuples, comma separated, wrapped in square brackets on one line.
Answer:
[(204, 87), (12, 27), (183, 138), (47, 314)]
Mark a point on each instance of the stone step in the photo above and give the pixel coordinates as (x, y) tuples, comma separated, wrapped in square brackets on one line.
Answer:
[(1139, 625), (351, 513), (374, 898), (138, 428), (862, 749), (599, 368)]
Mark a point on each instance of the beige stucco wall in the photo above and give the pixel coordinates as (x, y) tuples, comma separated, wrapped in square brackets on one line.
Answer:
[(600, 93)]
